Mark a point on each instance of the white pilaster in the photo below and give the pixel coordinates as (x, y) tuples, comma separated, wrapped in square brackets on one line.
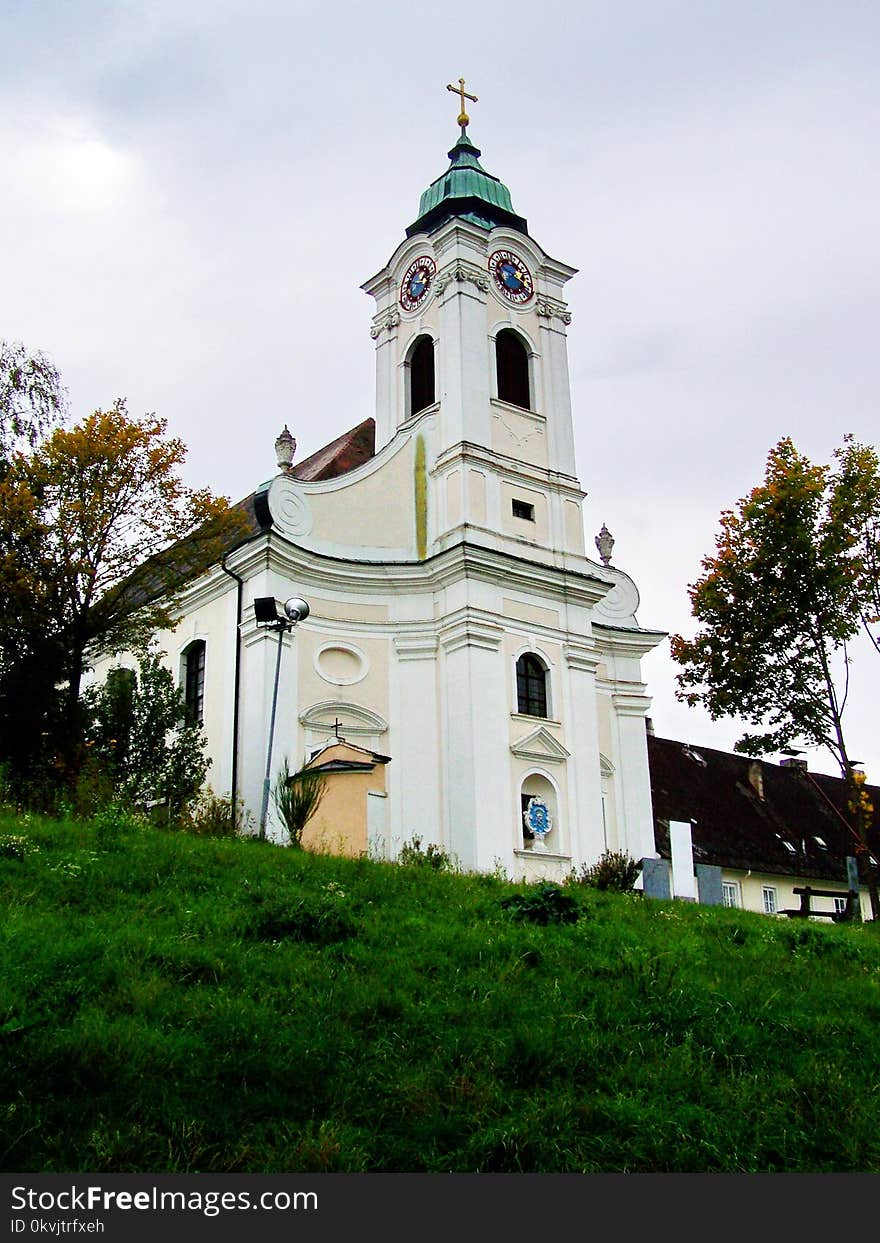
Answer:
[(585, 780), (464, 381), (259, 655), (414, 773), (476, 758), (557, 394), (637, 823)]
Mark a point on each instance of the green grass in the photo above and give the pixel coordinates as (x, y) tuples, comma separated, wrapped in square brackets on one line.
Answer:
[(173, 1003)]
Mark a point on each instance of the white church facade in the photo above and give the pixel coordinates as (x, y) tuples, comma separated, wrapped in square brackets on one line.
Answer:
[(472, 656)]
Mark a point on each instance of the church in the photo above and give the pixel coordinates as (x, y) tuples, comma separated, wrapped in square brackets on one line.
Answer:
[(466, 673)]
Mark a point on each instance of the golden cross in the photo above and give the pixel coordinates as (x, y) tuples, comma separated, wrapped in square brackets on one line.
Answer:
[(459, 90)]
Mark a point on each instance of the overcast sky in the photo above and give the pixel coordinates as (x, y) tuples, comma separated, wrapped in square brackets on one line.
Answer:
[(191, 195)]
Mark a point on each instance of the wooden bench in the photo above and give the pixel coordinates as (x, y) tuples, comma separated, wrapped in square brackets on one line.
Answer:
[(804, 911)]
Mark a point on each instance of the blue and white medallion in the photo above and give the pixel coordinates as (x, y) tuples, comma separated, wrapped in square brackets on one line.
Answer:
[(537, 821)]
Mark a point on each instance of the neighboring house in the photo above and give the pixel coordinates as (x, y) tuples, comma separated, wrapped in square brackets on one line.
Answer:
[(769, 827), (459, 634)]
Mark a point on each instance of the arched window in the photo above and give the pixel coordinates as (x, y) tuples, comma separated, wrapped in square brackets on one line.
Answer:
[(512, 364), (421, 376), (531, 686), (194, 681)]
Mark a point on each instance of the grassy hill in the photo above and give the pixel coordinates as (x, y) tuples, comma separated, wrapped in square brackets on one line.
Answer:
[(174, 1003)]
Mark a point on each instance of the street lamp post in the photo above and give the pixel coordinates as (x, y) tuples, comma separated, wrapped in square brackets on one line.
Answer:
[(267, 613)]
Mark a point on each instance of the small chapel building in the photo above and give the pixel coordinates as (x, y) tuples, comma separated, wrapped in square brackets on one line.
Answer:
[(467, 674)]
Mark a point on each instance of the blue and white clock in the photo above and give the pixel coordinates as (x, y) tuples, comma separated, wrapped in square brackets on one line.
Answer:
[(511, 276), (416, 283)]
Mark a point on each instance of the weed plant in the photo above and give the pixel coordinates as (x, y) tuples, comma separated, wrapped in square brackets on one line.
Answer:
[(185, 1003)]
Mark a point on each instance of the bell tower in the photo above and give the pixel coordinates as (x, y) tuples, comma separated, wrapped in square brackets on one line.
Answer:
[(470, 335)]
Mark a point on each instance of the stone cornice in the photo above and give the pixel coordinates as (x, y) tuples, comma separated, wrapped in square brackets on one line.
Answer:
[(252, 634), (619, 641), (542, 856), (630, 703), (416, 646), (568, 580), (208, 587), (508, 468), (580, 657), (469, 627)]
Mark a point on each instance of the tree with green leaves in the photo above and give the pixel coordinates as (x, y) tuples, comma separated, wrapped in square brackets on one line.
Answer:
[(856, 503), (777, 605), (32, 398), (98, 534), (32, 401), (141, 737)]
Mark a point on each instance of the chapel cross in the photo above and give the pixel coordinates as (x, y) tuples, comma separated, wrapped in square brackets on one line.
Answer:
[(336, 725), (459, 90)]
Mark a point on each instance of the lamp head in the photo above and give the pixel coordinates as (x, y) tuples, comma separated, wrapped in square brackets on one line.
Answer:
[(296, 609)]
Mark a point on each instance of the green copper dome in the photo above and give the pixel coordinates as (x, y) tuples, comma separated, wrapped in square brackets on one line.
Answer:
[(467, 191)]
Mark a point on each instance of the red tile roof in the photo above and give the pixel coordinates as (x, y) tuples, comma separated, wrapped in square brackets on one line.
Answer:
[(343, 454)]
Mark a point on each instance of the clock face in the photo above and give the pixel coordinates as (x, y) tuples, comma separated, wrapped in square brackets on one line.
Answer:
[(512, 277), (416, 282)]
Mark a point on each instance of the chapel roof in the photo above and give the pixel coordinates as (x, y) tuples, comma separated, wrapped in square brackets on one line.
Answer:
[(748, 813), (465, 190)]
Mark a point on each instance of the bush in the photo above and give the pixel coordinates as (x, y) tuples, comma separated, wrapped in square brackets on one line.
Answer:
[(112, 823), (213, 815), (15, 846), (141, 739), (435, 857), (297, 797), (614, 871), (544, 903)]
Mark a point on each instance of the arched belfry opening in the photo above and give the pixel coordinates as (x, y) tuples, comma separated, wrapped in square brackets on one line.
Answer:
[(421, 376), (512, 365)]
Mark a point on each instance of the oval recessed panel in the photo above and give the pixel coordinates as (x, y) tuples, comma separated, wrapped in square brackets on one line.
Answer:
[(340, 664)]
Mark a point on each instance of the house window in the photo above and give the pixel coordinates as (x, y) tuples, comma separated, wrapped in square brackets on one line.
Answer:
[(839, 905), (768, 895), (531, 686), (730, 893), (194, 681), (512, 365), (421, 375), (522, 509)]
